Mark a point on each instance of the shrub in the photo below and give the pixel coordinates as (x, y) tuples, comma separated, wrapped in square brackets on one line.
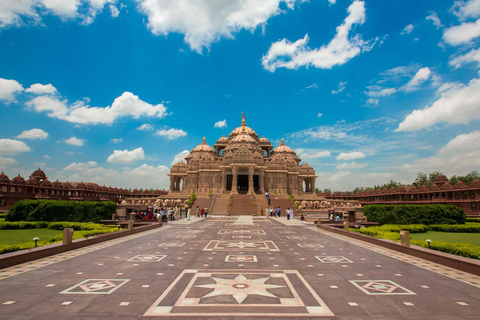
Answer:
[(415, 214), (473, 219), (461, 249), (455, 228), (58, 210)]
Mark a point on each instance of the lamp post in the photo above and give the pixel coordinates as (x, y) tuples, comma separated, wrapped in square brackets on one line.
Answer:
[(428, 242), (118, 227), (36, 239)]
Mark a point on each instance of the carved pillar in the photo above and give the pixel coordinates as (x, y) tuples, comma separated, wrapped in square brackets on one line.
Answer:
[(234, 180), (262, 182), (171, 183), (224, 180), (250, 180)]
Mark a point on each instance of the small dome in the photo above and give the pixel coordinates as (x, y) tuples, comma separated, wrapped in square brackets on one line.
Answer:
[(179, 164), (33, 182), (264, 140), (81, 185), (474, 184), (46, 183), (203, 147), (460, 185), (282, 148), (306, 166), (39, 174), (67, 185), (223, 139), (18, 179), (57, 184), (4, 178), (441, 179)]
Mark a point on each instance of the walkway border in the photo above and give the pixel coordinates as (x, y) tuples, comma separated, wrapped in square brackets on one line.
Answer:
[(22, 256), (457, 262)]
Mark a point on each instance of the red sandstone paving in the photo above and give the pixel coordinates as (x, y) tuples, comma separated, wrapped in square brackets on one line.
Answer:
[(149, 280)]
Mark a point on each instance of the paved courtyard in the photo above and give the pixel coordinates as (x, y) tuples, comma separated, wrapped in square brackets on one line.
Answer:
[(227, 268)]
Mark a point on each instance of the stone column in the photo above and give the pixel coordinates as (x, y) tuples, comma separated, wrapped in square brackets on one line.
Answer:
[(222, 187), (262, 182), (171, 183), (250, 180), (234, 180), (314, 190)]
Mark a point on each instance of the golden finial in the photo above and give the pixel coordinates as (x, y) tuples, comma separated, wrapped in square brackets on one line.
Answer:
[(243, 119), (283, 140), (204, 139)]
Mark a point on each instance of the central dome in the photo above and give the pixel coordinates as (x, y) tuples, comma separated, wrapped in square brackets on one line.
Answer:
[(243, 129)]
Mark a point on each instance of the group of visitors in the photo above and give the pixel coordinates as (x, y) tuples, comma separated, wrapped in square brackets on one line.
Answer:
[(202, 212), (337, 218)]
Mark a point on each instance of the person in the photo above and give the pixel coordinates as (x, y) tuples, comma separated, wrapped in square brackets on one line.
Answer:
[(288, 213), (266, 195), (198, 212), (188, 214), (206, 212), (175, 214), (331, 216), (291, 214), (202, 211), (302, 218), (266, 212), (338, 217), (279, 211)]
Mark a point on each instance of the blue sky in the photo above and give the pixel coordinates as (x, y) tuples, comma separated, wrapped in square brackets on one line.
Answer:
[(114, 91)]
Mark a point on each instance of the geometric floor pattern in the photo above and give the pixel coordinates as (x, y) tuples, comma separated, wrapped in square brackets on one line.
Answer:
[(217, 269)]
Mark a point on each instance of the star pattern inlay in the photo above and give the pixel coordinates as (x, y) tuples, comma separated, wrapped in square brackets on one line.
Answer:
[(240, 287)]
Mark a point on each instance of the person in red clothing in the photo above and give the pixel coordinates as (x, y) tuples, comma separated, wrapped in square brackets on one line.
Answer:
[(202, 211)]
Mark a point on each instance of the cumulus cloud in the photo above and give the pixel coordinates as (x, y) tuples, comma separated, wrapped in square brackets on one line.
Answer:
[(466, 9), (471, 56), (5, 162), (125, 156), (462, 144), (379, 92), (39, 88), (341, 86), (171, 134), (144, 176), (116, 140), (307, 154), (33, 134), (220, 124), (408, 29), (127, 105), (420, 77), (205, 22), (341, 49), (372, 102), (463, 33), (457, 104), (351, 155), (339, 176), (319, 114), (12, 147), (8, 89), (74, 141), (435, 19), (180, 157), (353, 165), (24, 12), (145, 127)]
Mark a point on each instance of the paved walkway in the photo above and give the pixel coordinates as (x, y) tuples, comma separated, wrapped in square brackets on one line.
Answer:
[(243, 221), (216, 269)]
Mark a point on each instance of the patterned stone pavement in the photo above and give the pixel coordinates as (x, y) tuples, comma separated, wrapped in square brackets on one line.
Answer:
[(216, 268)]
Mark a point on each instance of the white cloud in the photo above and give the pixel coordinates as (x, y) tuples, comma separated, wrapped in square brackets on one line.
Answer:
[(127, 105), (312, 86), (46, 156), (74, 141), (12, 147), (116, 140), (332, 1), (435, 19), (462, 144), (379, 92), (341, 49), (341, 87), (353, 165), (466, 9), (33, 134), (457, 104), (8, 89), (23, 12), (220, 124), (420, 77), (307, 154), (472, 56), (205, 22), (319, 114), (39, 88), (339, 176), (145, 127), (408, 29), (5, 162), (171, 134), (125, 156), (180, 157), (351, 155), (372, 102), (144, 176), (463, 33)]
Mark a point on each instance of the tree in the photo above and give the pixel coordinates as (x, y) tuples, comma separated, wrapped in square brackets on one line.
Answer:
[(327, 190), (432, 177), (421, 180)]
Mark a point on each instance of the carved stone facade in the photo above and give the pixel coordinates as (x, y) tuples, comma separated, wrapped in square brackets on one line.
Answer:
[(242, 163)]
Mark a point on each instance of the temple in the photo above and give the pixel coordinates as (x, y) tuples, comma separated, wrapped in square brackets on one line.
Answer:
[(242, 163)]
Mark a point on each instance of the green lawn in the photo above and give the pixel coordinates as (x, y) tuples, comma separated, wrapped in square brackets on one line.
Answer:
[(473, 238), (26, 235)]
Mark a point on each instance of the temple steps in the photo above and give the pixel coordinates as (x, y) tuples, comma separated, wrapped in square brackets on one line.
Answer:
[(221, 204), (284, 204), (243, 204), (202, 203)]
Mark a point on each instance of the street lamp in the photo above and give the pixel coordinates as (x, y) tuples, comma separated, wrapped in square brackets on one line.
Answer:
[(118, 227), (36, 239), (428, 242)]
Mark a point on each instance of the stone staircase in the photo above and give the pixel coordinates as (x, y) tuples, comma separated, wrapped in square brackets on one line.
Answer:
[(243, 204), (221, 204), (202, 203), (282, 203)]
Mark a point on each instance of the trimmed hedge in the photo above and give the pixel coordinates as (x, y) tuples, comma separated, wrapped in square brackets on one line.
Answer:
[(460, 249), (473, 219), (415, 214), (455, 228), (59, 210)]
